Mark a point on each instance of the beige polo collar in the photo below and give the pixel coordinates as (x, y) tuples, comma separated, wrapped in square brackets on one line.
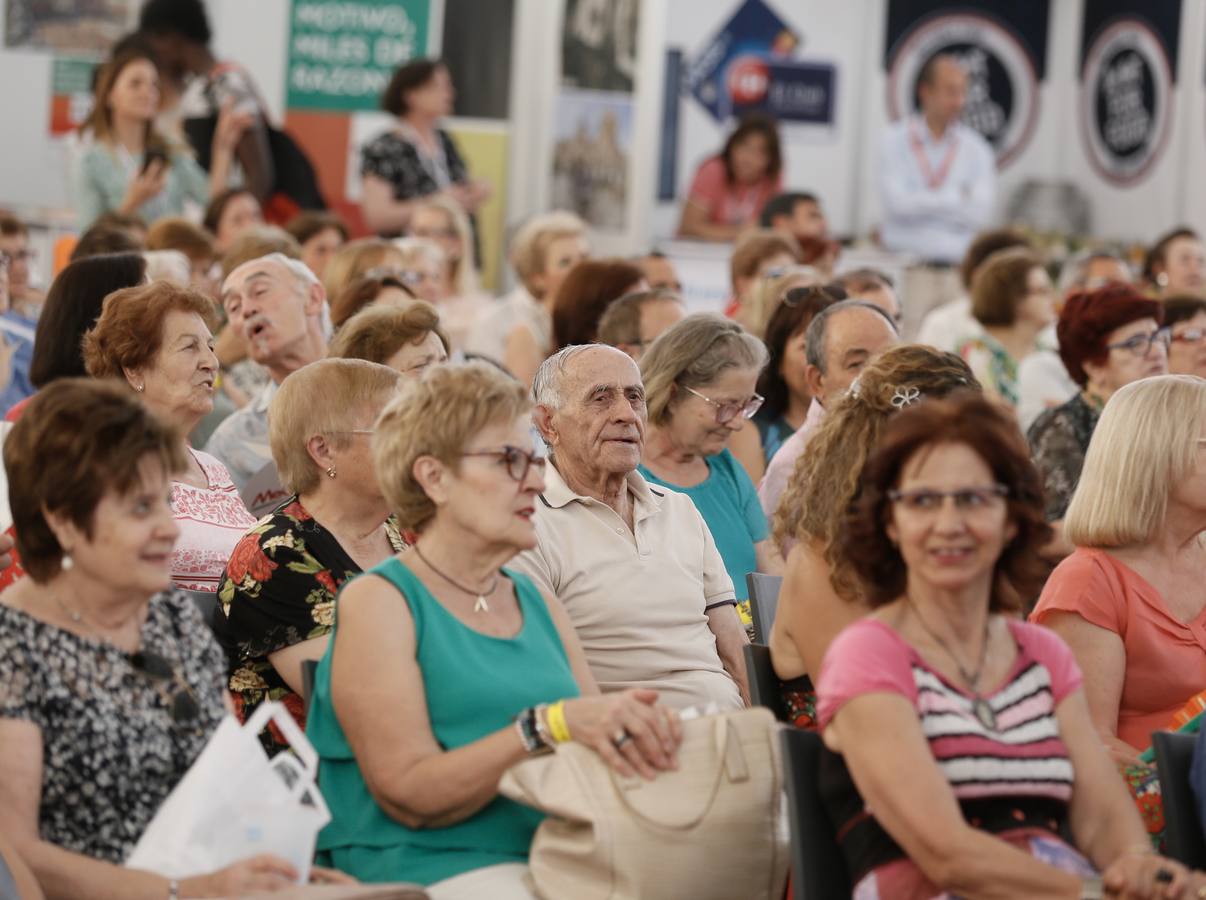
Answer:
[(558, 494)]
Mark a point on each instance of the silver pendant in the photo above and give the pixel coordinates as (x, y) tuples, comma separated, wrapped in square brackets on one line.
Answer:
[(481, 605), (984, 714)]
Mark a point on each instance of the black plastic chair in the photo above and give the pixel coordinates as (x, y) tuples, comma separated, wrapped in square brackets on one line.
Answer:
[(765, 688), (818, 866), (1182, 828), (309, 669), (207, 602), (764, 601)]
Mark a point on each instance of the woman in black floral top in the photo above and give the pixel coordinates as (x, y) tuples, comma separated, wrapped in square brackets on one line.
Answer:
[(110, 684), (278, 591), (415, 158), (1107, 339)]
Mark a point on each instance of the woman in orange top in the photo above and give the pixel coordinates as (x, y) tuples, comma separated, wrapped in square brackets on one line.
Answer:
[(1131, 600)]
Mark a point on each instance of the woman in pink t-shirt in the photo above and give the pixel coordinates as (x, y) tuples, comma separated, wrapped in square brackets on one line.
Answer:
[(1131, 600), (729, 190), (966, 731)]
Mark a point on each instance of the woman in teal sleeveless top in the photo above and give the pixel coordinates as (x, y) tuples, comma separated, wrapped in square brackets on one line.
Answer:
[(444, 669)]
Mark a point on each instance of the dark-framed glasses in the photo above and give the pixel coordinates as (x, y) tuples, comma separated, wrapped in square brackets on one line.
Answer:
[(1141, 344), (726, 412), (967, 500), (516, 460), (156, 668), (1190, 336)]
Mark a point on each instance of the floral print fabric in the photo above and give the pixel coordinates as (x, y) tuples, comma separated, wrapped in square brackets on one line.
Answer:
[(279, 590), (1059, 439)]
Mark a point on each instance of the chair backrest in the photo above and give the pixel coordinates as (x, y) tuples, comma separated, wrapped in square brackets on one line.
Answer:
[(764, 601), (1182, 827), (309, 668), (765, 688), (818, 866), (207, 602)]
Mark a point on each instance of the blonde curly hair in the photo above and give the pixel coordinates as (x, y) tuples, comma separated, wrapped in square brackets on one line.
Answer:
[(825, 480)]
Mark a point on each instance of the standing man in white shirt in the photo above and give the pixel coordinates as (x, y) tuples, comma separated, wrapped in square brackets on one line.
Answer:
[(938, 185)]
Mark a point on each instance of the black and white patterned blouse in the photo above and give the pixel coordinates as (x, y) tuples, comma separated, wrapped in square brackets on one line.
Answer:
[(411, 172), (110, 751), (1059, 440)]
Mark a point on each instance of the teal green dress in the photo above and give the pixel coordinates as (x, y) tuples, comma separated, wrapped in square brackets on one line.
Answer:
[(474, 685), (728, 502)]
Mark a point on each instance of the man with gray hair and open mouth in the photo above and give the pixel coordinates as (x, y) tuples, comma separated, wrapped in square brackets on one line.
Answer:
[(634, 565), (277, 305)]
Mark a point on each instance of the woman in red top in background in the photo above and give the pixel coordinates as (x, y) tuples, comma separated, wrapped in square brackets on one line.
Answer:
[(729, 190)]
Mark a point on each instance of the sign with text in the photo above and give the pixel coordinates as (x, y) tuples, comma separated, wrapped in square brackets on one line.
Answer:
[(70, 94), (343, 52)]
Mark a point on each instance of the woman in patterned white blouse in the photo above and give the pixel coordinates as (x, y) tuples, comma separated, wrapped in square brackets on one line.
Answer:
[(155, 337), (415, 158)]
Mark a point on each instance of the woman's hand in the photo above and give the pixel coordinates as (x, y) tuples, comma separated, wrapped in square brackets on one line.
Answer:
[(319, 875), (230, 128), (257, 873), (630, 730), (146, 185), (1139, 875)]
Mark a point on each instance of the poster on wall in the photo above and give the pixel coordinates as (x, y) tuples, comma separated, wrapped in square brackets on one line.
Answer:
[(599, 44), (342, 52), (1002, 45), (591, 154), (1128, 70), (70, 94), (80, 27)]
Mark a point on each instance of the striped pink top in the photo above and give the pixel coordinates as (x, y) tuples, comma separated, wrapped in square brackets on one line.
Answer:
[(1023, 755)]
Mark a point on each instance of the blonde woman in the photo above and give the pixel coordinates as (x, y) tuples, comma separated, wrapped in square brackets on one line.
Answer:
[(517, 333), (821, 594), (1130, 601), (768, 292), (439, 219)]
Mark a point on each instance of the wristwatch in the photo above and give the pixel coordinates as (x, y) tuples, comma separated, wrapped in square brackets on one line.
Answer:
[(1092, 889)]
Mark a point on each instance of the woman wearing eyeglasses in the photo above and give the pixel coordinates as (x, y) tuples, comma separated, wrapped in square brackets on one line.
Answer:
[(1107, 339), (1186, 319), (110, 684), (278, 590), (970, 766), (699, 385), (445, 669)]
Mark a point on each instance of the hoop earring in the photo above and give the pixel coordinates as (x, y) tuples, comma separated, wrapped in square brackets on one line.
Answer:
[(330, 471)]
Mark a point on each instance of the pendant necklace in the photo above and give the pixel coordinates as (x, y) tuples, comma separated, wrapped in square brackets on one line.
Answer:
[(481, 605), (980, 707)]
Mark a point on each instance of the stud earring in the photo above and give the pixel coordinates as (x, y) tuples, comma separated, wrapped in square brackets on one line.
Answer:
[(140, 388), (330, 471), (66, 562)]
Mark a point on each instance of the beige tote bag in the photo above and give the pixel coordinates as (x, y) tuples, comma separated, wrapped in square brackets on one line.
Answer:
[(711, 830)]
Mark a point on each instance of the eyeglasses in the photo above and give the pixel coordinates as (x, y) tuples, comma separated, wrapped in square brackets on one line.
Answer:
[(726, 412), (156, 668), (1141, 344), (517, 461), (967, 500), (1190, 336)]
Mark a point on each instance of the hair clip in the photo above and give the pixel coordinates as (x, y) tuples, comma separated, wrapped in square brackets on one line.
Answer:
[(905, 397)]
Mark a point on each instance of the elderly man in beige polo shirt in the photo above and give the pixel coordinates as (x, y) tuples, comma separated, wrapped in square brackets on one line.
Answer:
[(634, 566)]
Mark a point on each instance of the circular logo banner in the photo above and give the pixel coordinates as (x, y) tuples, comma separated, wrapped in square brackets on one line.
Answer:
[(1125, 101), (1002, 87)]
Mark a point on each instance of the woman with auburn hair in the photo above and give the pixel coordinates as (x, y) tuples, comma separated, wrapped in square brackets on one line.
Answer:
[(1129, 600), (320, 235), (585, 294), (966, 731), (155, 339), (406, 338), (230, 215), (729, 190), (369, 291), (278, 591), (821, 593), (128, 167)]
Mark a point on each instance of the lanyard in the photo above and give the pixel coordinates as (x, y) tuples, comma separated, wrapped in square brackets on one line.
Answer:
[(933, 180)]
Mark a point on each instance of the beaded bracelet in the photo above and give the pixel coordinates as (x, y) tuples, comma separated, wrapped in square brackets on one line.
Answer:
[(525, 724)]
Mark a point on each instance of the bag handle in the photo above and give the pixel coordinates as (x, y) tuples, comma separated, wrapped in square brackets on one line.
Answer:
[(275, 712)]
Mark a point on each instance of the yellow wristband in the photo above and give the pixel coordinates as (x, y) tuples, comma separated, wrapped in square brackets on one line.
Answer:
[(557, 725)]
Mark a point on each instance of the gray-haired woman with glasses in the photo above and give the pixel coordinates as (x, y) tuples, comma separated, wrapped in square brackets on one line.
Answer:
[(278, 591), (699, 386), (110, 684)]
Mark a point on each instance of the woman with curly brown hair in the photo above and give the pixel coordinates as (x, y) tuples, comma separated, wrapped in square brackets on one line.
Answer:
[(966, 731), (821, 594)]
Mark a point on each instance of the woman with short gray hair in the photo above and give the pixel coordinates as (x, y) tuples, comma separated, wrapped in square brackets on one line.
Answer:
[(699, 386)]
